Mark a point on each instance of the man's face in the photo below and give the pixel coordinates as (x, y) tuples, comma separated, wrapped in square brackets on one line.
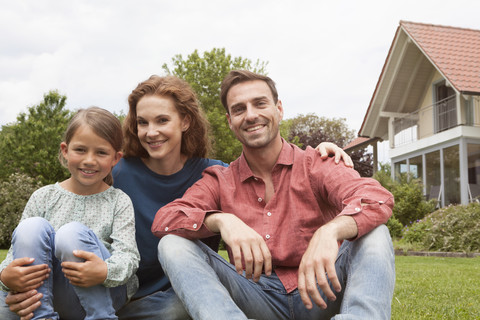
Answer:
[(254, 116)]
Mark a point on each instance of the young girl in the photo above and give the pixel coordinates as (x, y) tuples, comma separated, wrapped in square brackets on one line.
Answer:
[(76, 239)]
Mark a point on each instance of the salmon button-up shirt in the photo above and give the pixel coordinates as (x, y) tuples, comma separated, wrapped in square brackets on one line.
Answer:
[(308, 193)]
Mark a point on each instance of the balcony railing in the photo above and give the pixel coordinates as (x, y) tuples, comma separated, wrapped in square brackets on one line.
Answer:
[(438, 117)]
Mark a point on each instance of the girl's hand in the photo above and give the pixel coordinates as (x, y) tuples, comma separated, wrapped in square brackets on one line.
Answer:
[(327, 148), (19, 276), (85, 274)]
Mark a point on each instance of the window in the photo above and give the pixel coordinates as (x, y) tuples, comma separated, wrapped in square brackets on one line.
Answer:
[(432, 171), (445, 108), (451, 165), (473, 171)]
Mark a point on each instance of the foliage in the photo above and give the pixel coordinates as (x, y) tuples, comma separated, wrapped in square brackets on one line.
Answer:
[(311, 130), (31, 144), (205, 74), (450, 229), (410, 204), (395, 227), (14, 194)]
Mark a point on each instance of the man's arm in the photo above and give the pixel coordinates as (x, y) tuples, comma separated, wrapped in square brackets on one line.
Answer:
[(244, 242), (24, 304), (318, 262)]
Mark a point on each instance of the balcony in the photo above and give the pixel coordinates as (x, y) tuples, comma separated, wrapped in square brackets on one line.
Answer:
[(425, 122)]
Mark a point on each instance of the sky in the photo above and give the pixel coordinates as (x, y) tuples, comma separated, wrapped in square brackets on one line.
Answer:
[(325, 56)]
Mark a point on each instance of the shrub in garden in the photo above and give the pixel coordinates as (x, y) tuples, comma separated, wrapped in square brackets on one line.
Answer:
[(395, 227), (14, 194), (454, 228), (410, 204)]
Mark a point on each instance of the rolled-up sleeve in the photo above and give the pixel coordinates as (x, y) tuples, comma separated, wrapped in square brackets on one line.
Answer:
[(185, 216), (364, 199)]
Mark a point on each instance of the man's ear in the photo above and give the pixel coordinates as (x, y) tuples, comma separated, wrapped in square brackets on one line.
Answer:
[(280, 109), (229, 120)]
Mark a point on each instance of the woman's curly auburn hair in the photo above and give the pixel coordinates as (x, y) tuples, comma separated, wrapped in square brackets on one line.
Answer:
[(195, 140)]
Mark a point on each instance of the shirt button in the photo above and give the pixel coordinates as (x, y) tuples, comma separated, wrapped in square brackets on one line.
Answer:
[(194, 226), (357, 209), (166, 228), (269, 214), (381, 202), (259, 199), (256, 179), (267, 236)]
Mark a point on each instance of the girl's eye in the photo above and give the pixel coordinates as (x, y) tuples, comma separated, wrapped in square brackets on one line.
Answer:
[(79, 150), (141, 122)]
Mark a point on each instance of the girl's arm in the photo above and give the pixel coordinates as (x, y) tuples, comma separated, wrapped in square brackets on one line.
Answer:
[(121, 265)]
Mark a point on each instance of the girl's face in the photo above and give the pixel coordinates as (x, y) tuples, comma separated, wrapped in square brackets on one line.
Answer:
[(90, 159), (160, 127)]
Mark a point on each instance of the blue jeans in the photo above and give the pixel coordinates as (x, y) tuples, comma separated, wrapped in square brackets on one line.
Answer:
[(210, 288), (160, 305), (36, 238)]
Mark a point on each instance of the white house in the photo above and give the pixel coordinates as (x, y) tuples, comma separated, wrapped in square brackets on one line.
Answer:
[(427, 105)]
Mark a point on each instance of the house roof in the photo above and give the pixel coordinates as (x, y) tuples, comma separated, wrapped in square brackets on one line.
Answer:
[(454, 51), (359, 142), (419, 50)]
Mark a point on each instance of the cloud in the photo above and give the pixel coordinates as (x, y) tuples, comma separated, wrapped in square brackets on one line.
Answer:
[(326, 57)]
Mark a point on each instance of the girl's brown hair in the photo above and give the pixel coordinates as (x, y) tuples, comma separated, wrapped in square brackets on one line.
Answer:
[(195, 141), (103, 123)]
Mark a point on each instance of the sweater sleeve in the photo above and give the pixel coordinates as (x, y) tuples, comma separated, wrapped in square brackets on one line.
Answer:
[(123, 263)]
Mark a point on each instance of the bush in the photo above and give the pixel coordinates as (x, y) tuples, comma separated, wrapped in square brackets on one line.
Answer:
[(14, 194), (395, 227), (410, 204), (454, 228)]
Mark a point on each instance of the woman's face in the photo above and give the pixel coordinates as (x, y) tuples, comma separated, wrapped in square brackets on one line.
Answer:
[(160, 127)]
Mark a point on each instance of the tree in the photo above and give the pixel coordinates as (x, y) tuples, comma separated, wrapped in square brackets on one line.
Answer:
[(31, 144), (205, 74), (311, 130)]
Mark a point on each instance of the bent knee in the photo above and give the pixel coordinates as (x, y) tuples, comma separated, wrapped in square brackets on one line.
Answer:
[(31, 229), (173, 247), (67, 239), (378, 240)]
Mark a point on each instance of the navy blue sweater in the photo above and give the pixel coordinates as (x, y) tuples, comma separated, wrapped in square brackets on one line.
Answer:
[(149, 192)]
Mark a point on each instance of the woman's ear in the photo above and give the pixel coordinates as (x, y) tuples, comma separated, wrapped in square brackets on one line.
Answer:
[(186, 123)]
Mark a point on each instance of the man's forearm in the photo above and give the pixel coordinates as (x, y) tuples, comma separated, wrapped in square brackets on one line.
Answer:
[(341, 228)]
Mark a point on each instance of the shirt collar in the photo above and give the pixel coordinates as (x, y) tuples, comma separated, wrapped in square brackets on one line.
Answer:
[(285, 158)]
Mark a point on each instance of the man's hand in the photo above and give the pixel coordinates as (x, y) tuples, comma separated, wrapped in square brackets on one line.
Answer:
[(24, 304), (244, 242), (85, 274), (19, 276), (318, 262), (326, 148)]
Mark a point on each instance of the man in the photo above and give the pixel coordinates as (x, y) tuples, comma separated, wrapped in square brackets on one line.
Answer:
[(283, 214)]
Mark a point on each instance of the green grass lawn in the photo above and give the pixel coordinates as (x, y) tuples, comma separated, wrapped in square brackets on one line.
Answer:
[(436, 288), (431, 288)]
